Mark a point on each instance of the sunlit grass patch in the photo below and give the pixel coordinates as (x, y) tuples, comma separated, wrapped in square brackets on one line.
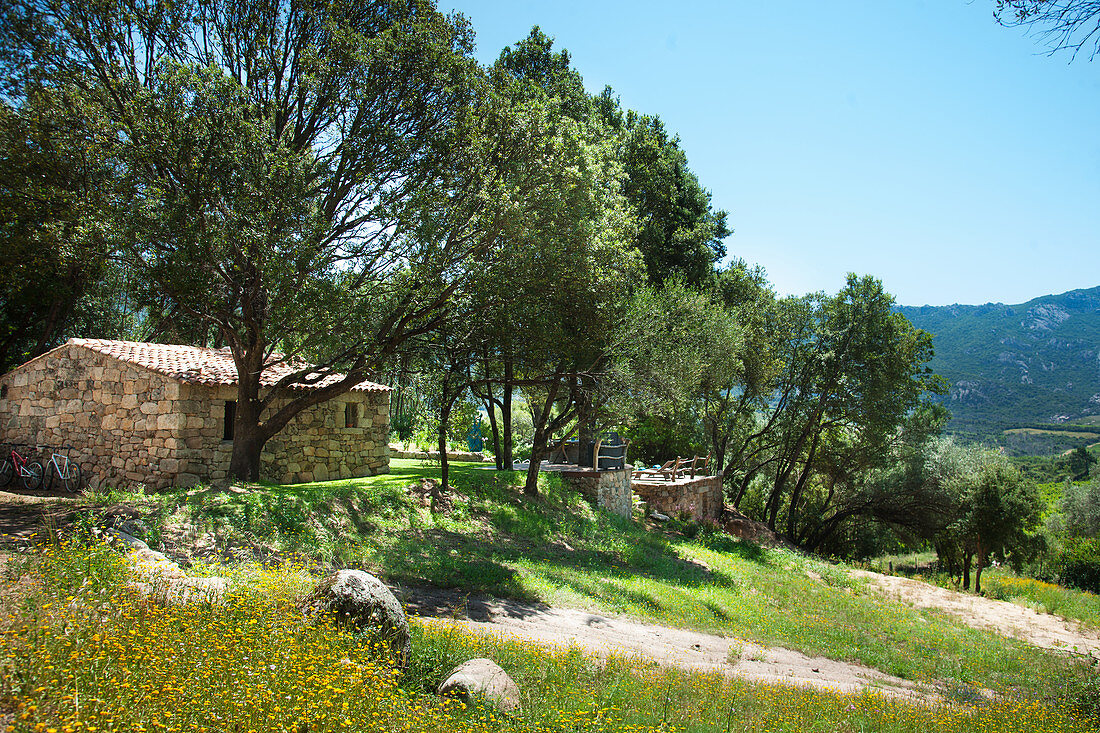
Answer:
[(1068, 603)]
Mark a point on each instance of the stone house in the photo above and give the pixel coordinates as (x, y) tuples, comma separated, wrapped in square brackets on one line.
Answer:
[(162, 415)]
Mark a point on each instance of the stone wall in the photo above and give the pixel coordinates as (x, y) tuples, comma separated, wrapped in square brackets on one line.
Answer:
[(129, 426), (115, 416), (701, 497), (608, 490), (314, 446)]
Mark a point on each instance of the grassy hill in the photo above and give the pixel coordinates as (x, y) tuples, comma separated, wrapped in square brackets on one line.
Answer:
[(1036, 362), (487, 536)]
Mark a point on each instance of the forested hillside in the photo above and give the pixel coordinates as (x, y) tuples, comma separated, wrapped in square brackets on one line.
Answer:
[(1007, 365)]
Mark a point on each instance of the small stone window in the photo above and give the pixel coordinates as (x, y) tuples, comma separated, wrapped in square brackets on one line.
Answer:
[(351, 415), (230, 418), (3, 391)]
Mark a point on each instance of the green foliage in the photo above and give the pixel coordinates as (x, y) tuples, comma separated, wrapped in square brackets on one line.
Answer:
[(844, 374), (654, 439), (989, 509), (57, 190), (681, 235), (1079, 462), (1078, 563), (1080, 504), (1000, 507)]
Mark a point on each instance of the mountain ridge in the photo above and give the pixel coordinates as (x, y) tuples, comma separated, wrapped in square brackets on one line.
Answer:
[(1010, 364)]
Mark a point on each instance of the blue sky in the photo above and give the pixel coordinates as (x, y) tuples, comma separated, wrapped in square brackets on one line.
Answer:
[(916, 141)]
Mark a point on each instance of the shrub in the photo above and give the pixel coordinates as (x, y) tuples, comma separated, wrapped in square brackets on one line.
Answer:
[(1081, 506), (1078, 563)]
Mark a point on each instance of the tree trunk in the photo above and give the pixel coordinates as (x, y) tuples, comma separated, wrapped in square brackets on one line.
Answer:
[(494, 428), (248, 444), (799, 487), (586, 418), (249, 436), (967, 556), (531, 484), (53, 318), (444, 465), (506, 416), (771, 508), (540, 438), (978, 571), (742, 489)]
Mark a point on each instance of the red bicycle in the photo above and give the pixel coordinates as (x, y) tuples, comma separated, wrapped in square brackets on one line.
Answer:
[(29, 471)]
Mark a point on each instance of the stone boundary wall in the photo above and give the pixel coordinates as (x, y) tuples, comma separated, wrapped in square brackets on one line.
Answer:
[(129, 426), (701, 497)]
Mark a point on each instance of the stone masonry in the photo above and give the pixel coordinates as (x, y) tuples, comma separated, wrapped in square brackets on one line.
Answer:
[(129, 425), (701, 497), (607, 489)]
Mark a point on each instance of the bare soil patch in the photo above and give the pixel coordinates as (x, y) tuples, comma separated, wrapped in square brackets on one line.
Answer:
[(22, 514), (1038, 629)]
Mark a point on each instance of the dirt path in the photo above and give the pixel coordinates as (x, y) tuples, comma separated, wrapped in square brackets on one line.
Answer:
[(608, 635), (1039, 629)]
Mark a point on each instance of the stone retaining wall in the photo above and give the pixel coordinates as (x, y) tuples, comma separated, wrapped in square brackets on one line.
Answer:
[(701, 497), (609, 489), (129, 426)]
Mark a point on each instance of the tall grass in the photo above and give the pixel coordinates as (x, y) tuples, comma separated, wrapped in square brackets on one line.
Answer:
[(84, 653), (1068, 603)]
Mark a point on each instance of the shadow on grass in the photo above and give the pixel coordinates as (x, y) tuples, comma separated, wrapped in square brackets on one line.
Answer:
[(733, 546), (480, 549)]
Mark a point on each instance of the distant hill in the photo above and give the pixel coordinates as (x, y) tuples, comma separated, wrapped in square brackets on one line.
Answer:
[(1010, 365)]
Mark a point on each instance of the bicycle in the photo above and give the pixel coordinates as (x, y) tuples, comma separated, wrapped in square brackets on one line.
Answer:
[(61, 469), (29, 471)]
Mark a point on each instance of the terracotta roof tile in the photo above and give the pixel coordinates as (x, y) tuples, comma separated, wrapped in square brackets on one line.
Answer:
[(198, 365)]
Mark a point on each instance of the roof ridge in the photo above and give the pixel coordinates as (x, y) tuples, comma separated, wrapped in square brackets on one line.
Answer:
[(211, 366)]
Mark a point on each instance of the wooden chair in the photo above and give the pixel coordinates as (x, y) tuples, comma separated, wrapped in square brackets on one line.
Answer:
[(668, 471), (696, 463), (616, 450)]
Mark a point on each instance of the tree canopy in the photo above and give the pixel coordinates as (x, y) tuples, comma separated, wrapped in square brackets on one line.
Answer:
[(341, 186)]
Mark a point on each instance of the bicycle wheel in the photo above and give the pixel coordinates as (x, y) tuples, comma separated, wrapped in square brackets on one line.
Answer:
[(71, 480), (6, 472), (48, 475), (32, 475)]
